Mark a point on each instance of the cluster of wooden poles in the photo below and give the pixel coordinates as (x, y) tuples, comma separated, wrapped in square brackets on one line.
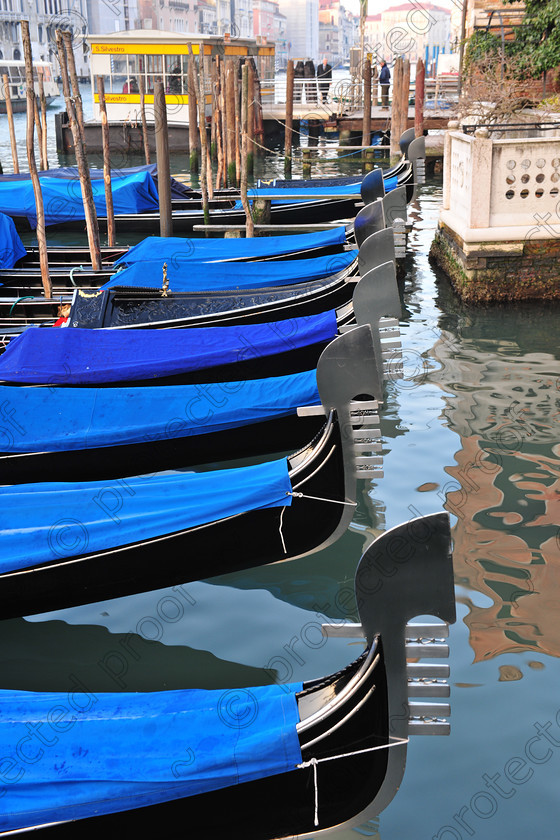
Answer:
[(236, 133), (74, 108)]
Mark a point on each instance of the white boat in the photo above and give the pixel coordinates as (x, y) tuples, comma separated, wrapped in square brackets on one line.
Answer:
[(15, 70)]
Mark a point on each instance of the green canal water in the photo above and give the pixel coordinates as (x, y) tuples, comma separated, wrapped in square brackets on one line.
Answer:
[(472, 428)]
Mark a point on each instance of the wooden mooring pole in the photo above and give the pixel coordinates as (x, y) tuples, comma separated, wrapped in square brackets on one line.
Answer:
[(244, 145), (396, 105), (251, 122), (204, 153), (259, 124), (31, 100), (43, 104), (419, 96), (237, 133), (145, 136), (289, 127), (71, 65), (10, 115), (405, 93), (162, 157), (194, 142), (81, 155), (230, 122), (106, 162), (366, 123), (217, 118), (38, 126)]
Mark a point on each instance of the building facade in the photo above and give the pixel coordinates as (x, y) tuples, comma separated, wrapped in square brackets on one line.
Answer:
[(171, 16), (302, 28), (337, 32), (45, 17)]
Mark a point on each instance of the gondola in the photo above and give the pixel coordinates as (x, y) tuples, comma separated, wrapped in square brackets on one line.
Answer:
[(69, 269), (20, 285), (68, 543), (123, 307), (329, 202), (265, 762)]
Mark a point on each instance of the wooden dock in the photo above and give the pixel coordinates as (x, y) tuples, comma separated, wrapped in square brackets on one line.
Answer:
[(323, 118)]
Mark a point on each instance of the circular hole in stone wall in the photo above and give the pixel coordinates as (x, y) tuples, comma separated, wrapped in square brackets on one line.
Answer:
[(541, 162), (539, 193), (556, 162), (525, 178), (510, 194), (540, 178), (511, 164), (526, 163), (554, 192), (510, 179), (524, 193), (555, 177)]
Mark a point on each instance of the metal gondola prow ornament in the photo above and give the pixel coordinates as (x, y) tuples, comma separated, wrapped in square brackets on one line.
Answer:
[(376, 249), (377, 303), (404, 573), (406, 139), (417, 156), (373, 186), (348, 382), (370, 219), (394, 208)]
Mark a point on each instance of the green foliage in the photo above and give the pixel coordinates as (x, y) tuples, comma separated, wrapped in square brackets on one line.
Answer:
[(538, 41), (480, 46)]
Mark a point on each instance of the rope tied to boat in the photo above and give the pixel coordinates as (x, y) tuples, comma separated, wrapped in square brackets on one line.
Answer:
[(315, 499), (319, 499), (314, 762)]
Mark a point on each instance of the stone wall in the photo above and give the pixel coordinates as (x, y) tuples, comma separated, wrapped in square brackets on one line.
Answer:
[(525, 271)]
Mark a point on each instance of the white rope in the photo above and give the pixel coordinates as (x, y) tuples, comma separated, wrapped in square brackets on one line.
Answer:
[(320, 499), (315, 761), (280, 529)]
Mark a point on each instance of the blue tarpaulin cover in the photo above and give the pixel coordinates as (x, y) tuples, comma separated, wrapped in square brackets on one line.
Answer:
[(49, 520), (178, 189), (62, 198), (75, 356), (87, 754), (176, 250), (301, 193), (59, 419), (11, 246), (231, 275)]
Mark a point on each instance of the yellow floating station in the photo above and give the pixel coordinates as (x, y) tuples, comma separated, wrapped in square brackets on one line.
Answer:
[(123, 57)]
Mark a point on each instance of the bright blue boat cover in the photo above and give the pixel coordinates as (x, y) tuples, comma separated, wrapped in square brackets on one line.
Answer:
[(175, 250), (86, 754), (231, 275), (51, 520), (72, 356), (327, 192), (391, 183), (62, 198), (302, 193), (61, 419), (11, 246)]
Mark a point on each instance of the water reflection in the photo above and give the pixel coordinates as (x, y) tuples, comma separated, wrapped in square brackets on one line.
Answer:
[(503, 401)]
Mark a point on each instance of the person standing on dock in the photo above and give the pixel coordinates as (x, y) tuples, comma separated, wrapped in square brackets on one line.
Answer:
[(384, 81), (324, 78), (310, 89)]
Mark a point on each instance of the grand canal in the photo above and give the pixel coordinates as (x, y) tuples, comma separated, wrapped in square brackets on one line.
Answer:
[(472, 428)]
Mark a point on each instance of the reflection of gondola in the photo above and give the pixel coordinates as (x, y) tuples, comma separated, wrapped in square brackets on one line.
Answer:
[(169, 528), (255, 764)]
